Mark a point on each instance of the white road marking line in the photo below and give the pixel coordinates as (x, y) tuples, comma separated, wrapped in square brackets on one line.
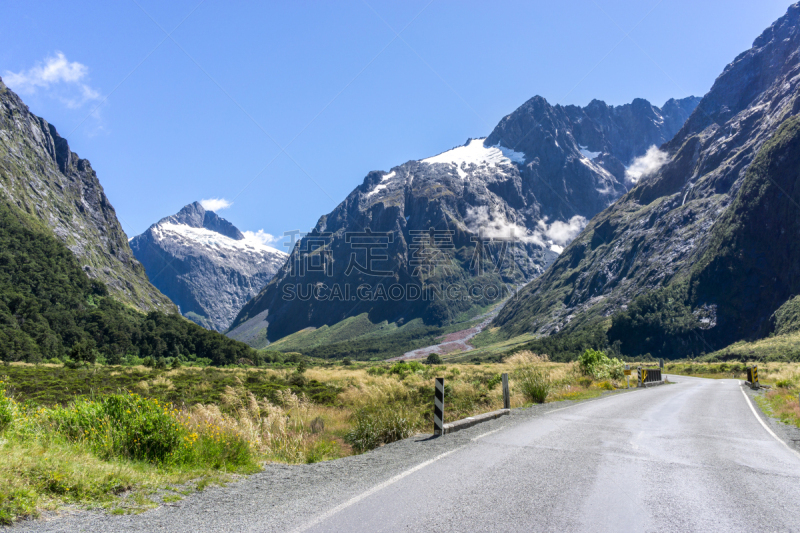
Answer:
[(354, 500), (765, 426)]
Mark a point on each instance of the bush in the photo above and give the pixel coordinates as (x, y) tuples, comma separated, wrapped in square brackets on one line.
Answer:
[(596, 364), (494, 381), (7, 408), (124, 425), (433, 359), (377, 370), (377, 425), (534, 382), (403, 368)]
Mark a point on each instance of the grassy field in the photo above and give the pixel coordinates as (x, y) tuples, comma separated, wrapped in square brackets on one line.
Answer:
[(127, 438)]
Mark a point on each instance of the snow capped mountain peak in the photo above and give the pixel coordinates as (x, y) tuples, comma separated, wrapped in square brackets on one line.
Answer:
[(206, 265), (249, 243)]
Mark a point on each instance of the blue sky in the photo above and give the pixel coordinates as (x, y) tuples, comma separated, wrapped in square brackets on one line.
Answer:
[(281, 108)]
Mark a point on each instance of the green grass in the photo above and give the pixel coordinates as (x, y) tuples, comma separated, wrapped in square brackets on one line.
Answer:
[(53, 384), (776, 348), (92, 452), (733, 370)]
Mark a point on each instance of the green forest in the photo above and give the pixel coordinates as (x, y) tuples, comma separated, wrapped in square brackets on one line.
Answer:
[(50, 309)]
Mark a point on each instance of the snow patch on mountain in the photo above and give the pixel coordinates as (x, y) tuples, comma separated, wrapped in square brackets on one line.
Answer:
[(211, 239), (382, 185), (587, 154), (475, 153)]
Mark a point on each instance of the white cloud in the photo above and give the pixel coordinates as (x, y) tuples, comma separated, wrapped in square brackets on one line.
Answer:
[(562, 233), (645, 165), (262, 237), (215, 204), (63, 79), (495, 225)]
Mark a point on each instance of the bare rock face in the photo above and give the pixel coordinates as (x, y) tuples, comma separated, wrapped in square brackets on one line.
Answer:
[(497, 211), (206, 265), (42, 177), (683, 221)]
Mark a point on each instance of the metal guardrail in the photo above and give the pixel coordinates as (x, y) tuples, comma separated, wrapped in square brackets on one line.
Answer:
[(649, 375)]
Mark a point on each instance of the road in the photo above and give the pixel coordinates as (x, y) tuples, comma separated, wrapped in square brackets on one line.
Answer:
[(692, 456)]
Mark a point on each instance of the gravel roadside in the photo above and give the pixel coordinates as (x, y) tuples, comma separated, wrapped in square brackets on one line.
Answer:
[(283, 497)]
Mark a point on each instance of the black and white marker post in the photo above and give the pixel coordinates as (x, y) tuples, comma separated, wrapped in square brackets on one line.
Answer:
[(438, 408), (506, 393)]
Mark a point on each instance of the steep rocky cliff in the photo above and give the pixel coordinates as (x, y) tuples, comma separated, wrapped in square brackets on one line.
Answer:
[(41, 176), (703, 250), (453, 232), (205, 265)]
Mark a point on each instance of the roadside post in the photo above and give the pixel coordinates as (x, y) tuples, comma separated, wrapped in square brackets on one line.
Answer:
[(755, 377), (627, 372), (661, 364), (438, 408), (506, 393), (641, 376)]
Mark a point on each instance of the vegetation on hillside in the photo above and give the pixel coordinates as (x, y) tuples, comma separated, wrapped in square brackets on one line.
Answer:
[(745, 285), (49, 308), (359, 339)]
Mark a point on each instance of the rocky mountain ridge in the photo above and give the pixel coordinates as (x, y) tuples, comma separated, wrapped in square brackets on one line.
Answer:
[(41, 176), (205, 265), (677, 230), (494, 212)]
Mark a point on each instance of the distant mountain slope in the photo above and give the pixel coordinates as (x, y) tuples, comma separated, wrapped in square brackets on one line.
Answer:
[(205, 265), (41, 176), (703, 250), (535, 181)]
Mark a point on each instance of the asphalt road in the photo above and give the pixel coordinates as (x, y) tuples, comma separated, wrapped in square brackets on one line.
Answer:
[(686, 457)]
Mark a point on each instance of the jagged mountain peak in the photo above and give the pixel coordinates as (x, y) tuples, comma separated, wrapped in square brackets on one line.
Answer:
[(537, 178), (703, 228), (775, 54), (195, 215), (205, 264)]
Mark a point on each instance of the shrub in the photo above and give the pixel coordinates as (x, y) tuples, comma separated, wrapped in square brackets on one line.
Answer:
[(377, 370), (82, 353), (433, 359), (124, 425), (596, 364), (7, 408), (494, 381), (534, 382), (377, 425), (403, 368)]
